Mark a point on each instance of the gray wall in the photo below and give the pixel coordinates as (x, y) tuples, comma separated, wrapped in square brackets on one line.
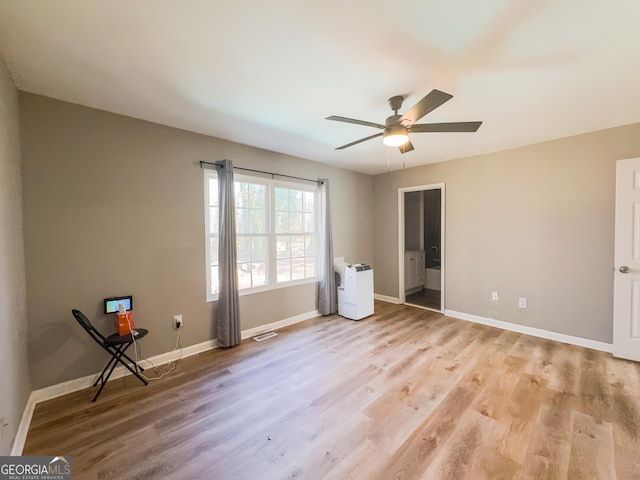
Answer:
[(14, 373), (86, 172), (534, 222)]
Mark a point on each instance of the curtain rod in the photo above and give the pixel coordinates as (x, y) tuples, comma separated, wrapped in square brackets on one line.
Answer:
[(218, 165)]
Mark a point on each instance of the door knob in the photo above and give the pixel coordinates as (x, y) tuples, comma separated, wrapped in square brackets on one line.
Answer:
[(624, 269)]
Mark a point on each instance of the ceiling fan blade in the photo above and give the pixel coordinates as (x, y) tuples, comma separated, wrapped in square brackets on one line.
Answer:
[(360, 141), (445, 127), (407, 147), (353, 120), (430, 102)]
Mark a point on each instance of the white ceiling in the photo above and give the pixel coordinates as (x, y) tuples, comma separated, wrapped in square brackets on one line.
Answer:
[(267, 73)]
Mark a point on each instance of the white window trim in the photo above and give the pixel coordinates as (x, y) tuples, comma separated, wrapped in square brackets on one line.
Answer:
[(271, 261)]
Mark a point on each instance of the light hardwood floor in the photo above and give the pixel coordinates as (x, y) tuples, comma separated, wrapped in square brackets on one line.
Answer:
[(406, 393)]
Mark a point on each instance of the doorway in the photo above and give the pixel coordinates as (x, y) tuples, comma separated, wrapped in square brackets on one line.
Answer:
[(421, 246)]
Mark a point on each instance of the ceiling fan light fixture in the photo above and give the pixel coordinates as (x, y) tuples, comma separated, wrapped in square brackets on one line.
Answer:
[(395, 136)]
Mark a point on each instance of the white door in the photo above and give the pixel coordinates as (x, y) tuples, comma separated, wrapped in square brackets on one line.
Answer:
[(626, 284)]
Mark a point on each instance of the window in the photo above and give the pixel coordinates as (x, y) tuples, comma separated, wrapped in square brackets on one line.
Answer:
[(295, 234), (211, 227), (276, 229), (252, 238)]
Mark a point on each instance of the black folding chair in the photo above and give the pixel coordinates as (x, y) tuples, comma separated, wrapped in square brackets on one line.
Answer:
[(116, 345)]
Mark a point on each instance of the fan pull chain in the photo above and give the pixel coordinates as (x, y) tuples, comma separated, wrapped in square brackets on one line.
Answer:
[(388, 149)]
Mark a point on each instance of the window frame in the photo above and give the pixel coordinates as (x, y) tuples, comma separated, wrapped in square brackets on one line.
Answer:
[(271, 260), (315, 233), (257, 181), (208, 175)]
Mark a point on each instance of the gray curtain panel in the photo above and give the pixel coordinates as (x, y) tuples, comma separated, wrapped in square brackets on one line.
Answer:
[(327, 293), (228, 309)]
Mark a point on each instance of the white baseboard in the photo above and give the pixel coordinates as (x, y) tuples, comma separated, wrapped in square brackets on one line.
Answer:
[(536, 332), (23, 428), (54, 391), (59, 389), (384, 298), (252, 332), (173, 355)]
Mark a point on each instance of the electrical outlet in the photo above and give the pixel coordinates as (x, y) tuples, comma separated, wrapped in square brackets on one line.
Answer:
[(177, 321), (522, 302), (495, 296)]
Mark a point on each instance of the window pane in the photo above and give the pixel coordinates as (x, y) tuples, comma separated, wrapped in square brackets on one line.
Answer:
[(244, 275), (242, 220), (282, 222), (213, 250), (297, 246), (282, 199), (257, 196), (213, 219), (309, 267), (309, 222), (259, 274), (284, 270), (242, 194), (282, 246), (295, 200), (213, 191), (309, 201), (297, 268), (258, 221), (296, 223), (215, 287), (243, 245), (259, 249), (309, 250)]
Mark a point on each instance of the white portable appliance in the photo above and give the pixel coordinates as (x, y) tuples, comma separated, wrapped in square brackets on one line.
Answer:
[(355, 294)]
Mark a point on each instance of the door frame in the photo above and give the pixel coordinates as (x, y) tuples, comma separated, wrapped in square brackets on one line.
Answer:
[(401, 224)]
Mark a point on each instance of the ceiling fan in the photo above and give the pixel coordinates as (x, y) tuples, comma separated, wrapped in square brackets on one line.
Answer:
[(396, 129)]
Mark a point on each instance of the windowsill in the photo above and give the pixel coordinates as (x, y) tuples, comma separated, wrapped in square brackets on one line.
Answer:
[(277, 286)]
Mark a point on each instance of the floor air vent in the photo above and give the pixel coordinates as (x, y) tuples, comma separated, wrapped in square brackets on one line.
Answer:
[(265, 336)]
